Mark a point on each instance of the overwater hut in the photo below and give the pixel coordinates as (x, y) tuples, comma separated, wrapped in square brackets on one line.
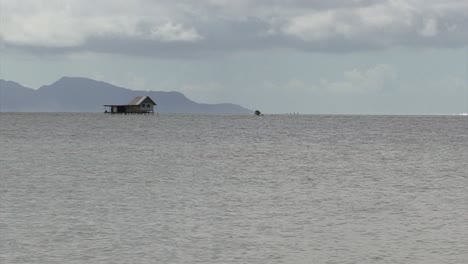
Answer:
[(139, 105)]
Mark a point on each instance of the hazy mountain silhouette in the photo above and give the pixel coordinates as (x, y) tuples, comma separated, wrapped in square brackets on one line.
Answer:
[(73, 94)]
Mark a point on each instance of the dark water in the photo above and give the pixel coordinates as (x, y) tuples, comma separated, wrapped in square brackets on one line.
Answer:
[(93, 188)]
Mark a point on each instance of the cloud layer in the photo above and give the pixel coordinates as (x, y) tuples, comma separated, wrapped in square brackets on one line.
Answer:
[(375, 79), (185, 27)]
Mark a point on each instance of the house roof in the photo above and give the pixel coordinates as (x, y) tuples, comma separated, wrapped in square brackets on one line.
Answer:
[(140, 99)]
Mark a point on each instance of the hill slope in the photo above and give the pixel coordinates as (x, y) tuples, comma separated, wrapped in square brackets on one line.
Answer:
[(74, 94)]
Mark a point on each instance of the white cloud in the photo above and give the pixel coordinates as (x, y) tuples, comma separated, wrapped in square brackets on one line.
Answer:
[(393, 19), (316, 26), (374, 79), (71, 23), (170, 32)]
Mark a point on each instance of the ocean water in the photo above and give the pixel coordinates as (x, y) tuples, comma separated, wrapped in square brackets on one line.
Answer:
[(95, 188)]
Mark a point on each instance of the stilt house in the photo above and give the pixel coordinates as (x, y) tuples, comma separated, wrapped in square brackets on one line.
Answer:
[(139, 105)]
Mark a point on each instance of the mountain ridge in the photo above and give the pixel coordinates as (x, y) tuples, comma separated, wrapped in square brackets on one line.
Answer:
[(78, 94)]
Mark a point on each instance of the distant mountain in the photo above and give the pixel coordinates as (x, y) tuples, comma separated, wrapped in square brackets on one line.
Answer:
[(73, 94)]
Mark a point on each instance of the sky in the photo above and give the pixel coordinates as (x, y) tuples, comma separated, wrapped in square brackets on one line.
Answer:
[(279, 56)]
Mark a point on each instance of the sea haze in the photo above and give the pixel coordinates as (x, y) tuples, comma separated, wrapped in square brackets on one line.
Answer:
[(96, 188)]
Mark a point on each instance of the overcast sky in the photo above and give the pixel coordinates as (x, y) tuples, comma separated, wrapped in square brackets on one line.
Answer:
[(306, 56)]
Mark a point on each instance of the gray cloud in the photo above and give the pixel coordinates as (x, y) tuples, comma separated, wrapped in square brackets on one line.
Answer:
[(185, 28)]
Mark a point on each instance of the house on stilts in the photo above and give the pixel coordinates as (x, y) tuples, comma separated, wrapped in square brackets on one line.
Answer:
[(139, 105)]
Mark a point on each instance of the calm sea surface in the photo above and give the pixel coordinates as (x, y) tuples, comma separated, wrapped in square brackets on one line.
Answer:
[(95, 188)]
